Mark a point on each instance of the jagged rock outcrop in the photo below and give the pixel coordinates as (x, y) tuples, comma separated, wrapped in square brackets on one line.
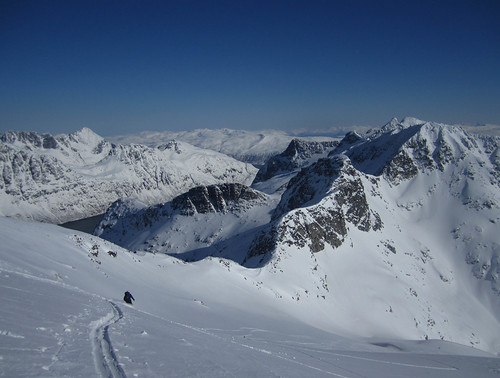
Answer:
[(197, 218), (298, 154), (214, 198), (316, 209)]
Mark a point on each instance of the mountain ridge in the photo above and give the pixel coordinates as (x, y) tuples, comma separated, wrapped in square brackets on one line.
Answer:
[(254, 147), (42, 175)]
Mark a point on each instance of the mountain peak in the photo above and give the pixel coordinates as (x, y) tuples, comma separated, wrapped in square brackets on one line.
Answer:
[(406, 123), (86, 136), (412, 121)]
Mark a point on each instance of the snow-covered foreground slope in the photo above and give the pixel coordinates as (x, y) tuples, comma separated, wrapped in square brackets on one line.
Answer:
[(62, 314), (68, 177), (254, 147)]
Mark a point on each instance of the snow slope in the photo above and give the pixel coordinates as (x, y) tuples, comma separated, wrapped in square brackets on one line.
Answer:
[(68, 177), (62, 314)]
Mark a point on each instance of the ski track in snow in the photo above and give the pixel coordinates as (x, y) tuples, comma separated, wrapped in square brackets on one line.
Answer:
[(206, 332), (104, 356), (105, 359), (343, 355), (292, 359)]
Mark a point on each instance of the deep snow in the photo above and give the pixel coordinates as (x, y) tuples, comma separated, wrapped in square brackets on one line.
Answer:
[(62, 314)]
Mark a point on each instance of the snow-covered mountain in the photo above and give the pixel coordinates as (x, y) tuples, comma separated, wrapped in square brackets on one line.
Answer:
[(67, 177), (413, 209), (396, 228), (380, 259), (254, 147), (63, 315)]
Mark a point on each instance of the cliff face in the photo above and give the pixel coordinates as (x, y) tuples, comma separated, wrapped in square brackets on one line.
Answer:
[(214, 198), (317, 207)]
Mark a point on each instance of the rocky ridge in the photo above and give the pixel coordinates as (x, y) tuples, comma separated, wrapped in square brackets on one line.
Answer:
[(200, 217), (298, 154)]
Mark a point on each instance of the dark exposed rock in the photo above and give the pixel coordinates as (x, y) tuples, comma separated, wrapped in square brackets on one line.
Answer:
[(401, 167), (212, 198), (315, 209), (295, 156)]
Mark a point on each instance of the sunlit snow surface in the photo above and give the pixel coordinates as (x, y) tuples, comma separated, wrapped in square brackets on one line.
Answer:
[(62, 314)]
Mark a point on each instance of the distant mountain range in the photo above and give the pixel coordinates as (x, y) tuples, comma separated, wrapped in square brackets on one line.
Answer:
[(248, 146), (63, 178)]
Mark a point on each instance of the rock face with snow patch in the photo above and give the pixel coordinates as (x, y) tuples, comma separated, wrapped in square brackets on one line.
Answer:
[(198, 218), (317, 207), (214, 198), (68, 177), (299, 153)]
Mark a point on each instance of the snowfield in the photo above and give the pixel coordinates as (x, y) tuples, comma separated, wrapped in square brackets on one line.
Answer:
[(62, 314)]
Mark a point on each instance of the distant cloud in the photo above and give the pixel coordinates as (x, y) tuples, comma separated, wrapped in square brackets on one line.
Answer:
[(334, 131), (487, 129)]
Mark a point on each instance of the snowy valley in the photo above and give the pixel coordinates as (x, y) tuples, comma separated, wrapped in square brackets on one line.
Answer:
[(372, 256)]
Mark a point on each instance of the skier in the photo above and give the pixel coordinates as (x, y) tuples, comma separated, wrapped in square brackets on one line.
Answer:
[(128, 297)]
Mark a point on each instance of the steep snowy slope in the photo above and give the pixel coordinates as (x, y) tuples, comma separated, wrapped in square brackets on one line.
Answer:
[(248, 146), (62, 314), (68, 177)]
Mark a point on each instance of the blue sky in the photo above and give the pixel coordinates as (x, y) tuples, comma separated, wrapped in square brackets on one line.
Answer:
[(127, 66)]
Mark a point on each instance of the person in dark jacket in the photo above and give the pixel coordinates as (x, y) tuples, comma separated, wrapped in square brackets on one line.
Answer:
[(128, 297)]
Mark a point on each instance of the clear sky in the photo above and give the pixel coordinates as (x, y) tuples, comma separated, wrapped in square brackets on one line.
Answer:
[(127, 66)]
